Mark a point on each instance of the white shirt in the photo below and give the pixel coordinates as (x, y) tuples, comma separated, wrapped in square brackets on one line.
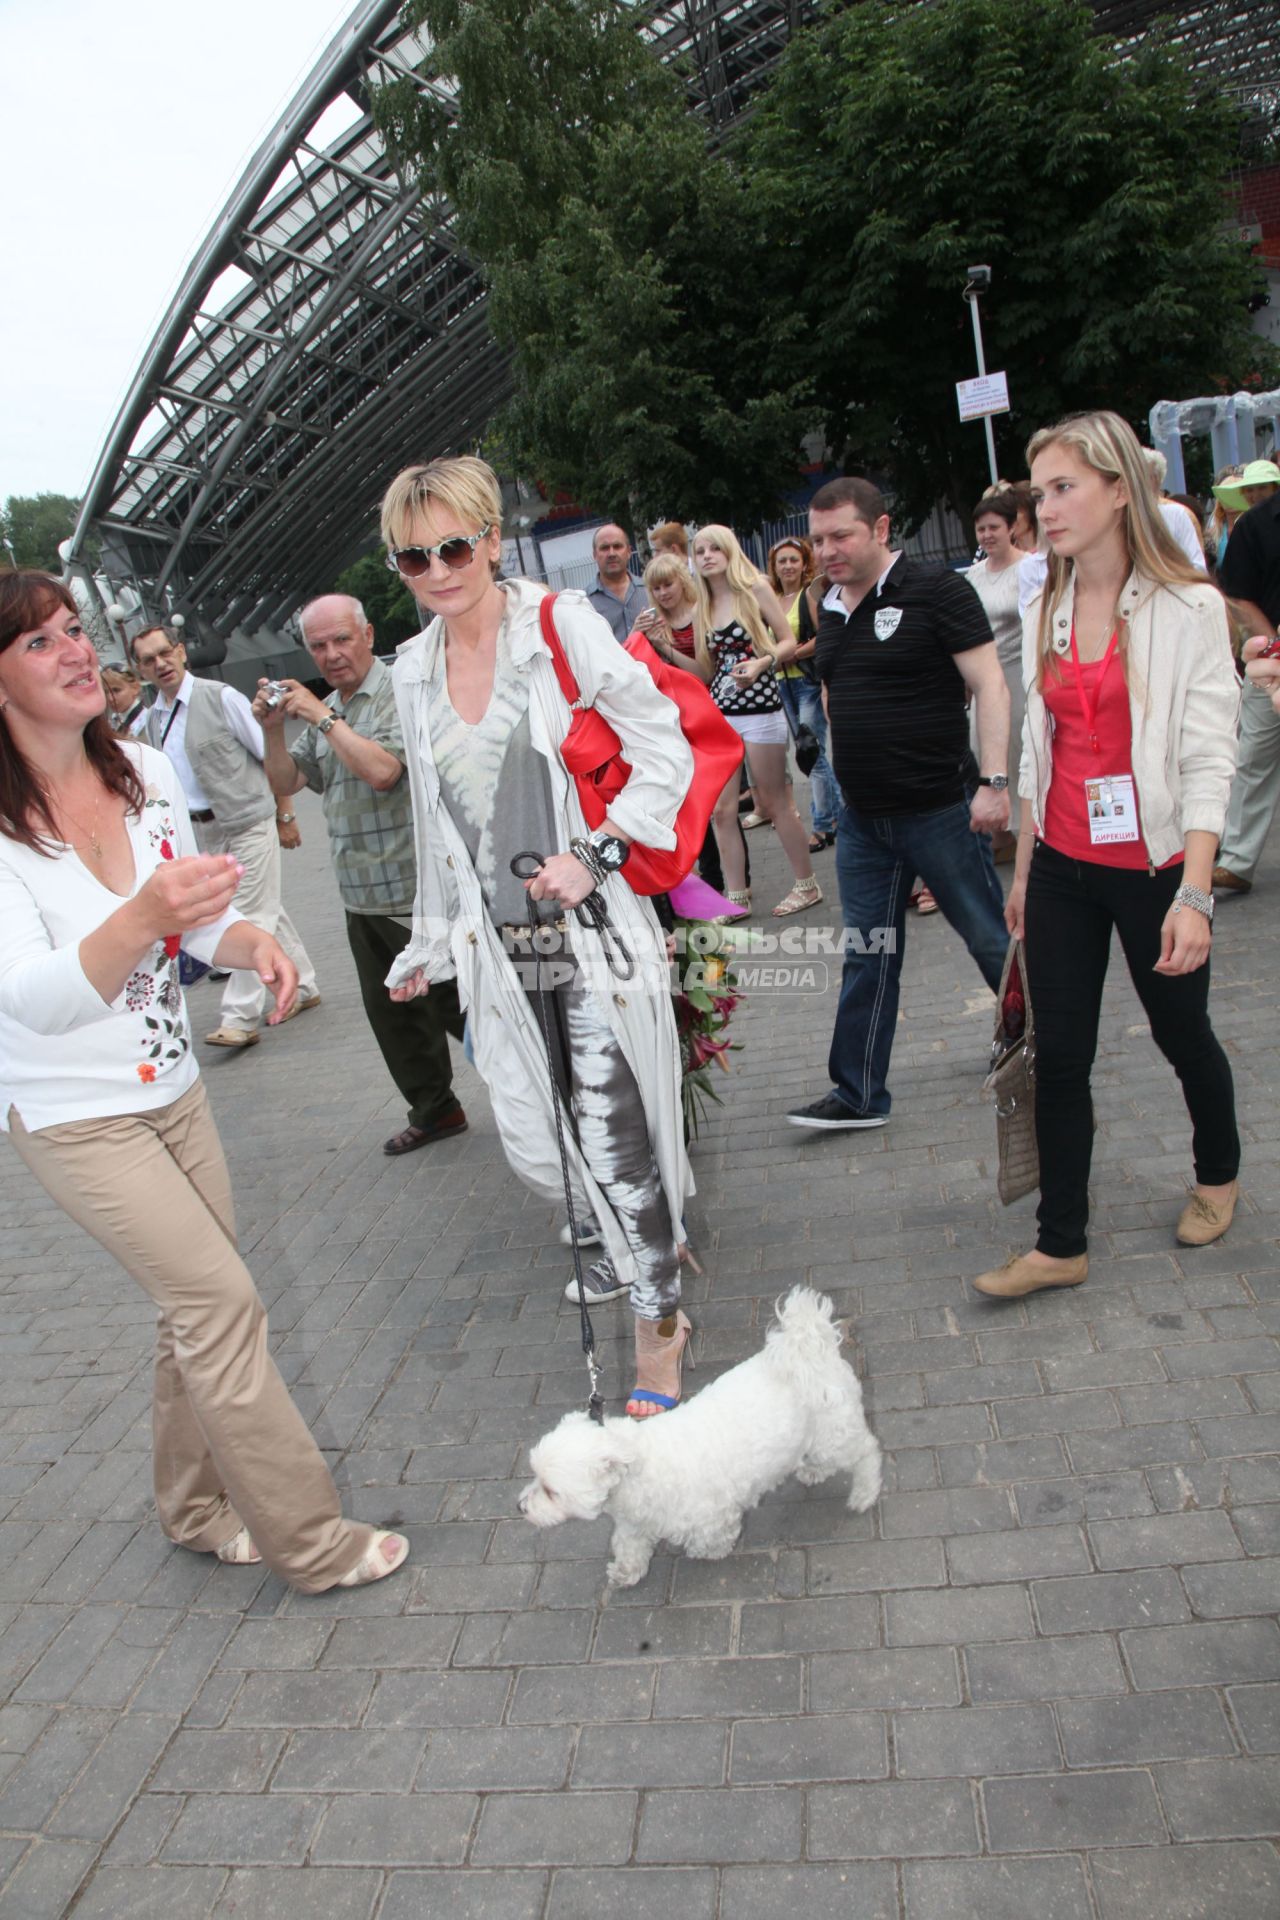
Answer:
[(173, 730), (135, 729), (65, 1052), (833, 602), (1033, 568)]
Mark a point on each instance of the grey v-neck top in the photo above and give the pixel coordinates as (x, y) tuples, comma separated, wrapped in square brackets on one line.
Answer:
[(494, 782)]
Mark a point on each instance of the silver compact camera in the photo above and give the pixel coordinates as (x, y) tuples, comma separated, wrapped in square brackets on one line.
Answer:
[(274, 694)]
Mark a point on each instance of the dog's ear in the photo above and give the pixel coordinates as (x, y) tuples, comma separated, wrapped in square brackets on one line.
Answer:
[(617, 1455)]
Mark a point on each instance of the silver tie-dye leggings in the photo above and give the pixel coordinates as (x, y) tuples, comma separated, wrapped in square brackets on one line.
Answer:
[(599, 1090)]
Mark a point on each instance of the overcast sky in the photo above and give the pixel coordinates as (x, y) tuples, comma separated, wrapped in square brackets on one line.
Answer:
[(126, 124)]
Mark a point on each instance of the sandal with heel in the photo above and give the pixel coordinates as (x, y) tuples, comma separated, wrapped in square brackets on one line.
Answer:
[(662, 1346)]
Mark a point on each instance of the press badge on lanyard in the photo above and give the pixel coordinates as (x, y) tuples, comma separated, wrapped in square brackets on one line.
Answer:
[(1110, 802)]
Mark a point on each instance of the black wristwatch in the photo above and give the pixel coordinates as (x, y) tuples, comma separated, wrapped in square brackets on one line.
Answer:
[(999, 781), (612, 853)]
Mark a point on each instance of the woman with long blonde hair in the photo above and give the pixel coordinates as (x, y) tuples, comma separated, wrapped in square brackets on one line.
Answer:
[(1128, 753), (741, 636)]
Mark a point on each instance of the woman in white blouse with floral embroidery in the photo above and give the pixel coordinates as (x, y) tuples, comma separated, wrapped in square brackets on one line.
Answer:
[(99, 1091)]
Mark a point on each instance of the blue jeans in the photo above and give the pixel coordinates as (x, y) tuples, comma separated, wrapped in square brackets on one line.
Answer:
[(876, 860), (803, 702)]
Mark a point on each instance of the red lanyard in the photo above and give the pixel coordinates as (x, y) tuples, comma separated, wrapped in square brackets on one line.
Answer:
[(1091, 712)]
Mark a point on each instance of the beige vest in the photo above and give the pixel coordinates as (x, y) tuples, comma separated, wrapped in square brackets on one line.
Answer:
[(235, 782)]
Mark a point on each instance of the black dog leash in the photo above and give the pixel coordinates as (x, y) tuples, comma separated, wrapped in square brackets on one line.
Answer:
[(524, 867)]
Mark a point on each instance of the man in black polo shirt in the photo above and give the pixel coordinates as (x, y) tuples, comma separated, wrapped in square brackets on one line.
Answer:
[(1250, 575), (901, 644)]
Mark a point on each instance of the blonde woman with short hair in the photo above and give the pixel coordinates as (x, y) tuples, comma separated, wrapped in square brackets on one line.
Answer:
[(483, 717), (669, 623), (126, 708), (742, 637), (1128, 753)]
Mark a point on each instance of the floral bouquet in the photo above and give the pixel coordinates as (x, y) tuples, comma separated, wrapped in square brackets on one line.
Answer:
[(706, 997)]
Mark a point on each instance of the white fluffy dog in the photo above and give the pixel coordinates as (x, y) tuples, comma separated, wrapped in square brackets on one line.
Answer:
[(689, 1476)]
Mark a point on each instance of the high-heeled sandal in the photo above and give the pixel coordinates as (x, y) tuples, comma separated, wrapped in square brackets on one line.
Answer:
[(374, 1565), (239, 1550), (661, 1349)]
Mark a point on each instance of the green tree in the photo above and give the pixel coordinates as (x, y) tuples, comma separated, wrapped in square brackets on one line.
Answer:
[(621, 259), (390, 606), (33, 525), (900, 144)]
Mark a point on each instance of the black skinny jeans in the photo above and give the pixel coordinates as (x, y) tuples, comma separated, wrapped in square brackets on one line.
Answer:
[(1072, 906)]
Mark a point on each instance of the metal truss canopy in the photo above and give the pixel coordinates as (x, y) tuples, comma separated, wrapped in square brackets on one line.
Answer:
[(329, 328)]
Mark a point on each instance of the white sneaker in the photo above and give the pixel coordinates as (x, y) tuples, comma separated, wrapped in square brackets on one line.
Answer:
[(589, 1234), (599, 1283)]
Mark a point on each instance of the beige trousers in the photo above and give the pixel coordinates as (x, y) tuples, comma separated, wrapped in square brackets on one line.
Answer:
[(230, 1446), (258, 898)]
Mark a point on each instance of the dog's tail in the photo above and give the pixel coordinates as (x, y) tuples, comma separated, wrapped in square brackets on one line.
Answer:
[(804, 1343)]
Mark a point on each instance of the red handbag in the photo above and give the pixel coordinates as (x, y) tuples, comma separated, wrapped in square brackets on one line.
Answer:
[(592, 754)]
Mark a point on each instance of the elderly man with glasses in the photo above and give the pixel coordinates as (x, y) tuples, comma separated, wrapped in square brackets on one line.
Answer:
[(352, 754)]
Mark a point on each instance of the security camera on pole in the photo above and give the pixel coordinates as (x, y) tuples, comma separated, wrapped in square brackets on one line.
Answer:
[(989, 393)]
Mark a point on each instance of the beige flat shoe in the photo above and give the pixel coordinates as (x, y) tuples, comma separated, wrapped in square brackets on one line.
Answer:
[(1203, 1221), (233, 1037), (803, 895), (737, 897), (299, 1006), (1019, 1276)]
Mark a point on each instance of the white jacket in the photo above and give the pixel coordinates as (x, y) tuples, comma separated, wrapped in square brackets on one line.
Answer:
[(453, 936), (1184, 704)]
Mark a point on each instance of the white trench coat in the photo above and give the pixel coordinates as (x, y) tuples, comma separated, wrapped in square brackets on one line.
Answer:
[(453, 936)]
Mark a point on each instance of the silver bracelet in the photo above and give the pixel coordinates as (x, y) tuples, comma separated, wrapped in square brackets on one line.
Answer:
[(585, 854), (1194, 897)]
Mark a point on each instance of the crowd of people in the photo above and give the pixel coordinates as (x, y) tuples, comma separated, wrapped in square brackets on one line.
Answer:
[(1070, 704)]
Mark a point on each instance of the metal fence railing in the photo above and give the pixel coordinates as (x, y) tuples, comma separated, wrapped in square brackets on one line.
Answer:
[(943, 537)]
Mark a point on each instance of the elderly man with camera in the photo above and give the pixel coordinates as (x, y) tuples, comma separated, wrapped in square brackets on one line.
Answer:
[(351, 753), (208, 731)]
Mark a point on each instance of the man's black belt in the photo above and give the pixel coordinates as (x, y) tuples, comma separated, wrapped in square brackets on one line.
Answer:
[(205, 815)]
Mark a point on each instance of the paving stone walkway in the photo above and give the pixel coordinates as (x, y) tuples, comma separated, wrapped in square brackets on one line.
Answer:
[(1041, 1678)]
